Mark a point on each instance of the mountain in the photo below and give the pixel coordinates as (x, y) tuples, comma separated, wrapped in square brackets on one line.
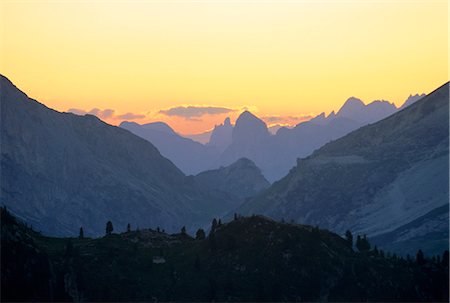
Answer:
[(221, 135), (249, 259), (412, 99), (276, 154), (240, 180), (202, 138), (190, 156), (388, 180), (60, 171)]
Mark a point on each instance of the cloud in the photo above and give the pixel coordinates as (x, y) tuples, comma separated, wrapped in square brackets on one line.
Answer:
[(107, 114), (192, 111), (130, 116), (102, 114), (290, 120)]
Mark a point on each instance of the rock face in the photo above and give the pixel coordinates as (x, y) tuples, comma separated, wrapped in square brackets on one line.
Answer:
[(240, 180), (388, 180), (221, 136), (190, 156), (60, 171)]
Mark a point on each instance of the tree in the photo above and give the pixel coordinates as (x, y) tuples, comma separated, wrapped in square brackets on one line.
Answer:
[(158, 229), (128, 228), (358, 242), (219, 223), (213, 226), (420, 258), (200, 234), (183, 230), (235, 216), (109, 228), (362, 243), (81, 236), (349, 238)]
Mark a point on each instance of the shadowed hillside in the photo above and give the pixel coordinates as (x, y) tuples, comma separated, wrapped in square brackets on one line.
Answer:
[(248, 259)]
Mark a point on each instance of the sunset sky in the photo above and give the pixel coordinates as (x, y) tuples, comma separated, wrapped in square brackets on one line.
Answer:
[(192, 63)]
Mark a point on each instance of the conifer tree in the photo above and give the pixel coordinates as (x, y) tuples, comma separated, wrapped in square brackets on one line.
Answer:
[(420, 258), (109, 228), (200, 234), (128, 228), (81, 235), (349, 238)]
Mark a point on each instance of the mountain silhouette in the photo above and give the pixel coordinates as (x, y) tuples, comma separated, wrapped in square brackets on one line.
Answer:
[(240, 180), (221, 136), (60, 171), (388, 180), (190, 156)]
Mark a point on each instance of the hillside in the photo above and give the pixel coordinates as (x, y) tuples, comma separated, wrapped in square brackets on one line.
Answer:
[(247, 259), (239, 181), (388, 180), (60, 171)]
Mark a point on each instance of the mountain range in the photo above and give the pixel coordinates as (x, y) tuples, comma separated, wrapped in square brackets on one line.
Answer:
[(389, 180), (250, 138), (60, 171)]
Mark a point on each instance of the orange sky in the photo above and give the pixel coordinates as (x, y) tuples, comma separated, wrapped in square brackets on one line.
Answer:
[(143, 60)]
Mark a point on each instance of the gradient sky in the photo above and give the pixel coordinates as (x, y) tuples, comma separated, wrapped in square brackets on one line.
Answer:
[(283, 60)]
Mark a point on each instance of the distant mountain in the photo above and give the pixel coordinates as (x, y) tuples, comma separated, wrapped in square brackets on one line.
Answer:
[(276, 154), (221, 136), (240, 180), (388, 180), (202, 138), (246, 260), (60, 171), (190, 156), (412, 99)]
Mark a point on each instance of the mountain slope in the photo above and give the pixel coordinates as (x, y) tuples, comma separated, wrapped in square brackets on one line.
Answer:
[(375, 180), (190, 156), (60, 171), (240, 180)]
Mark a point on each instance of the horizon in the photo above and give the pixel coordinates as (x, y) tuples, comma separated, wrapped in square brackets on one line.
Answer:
[(145, 61)]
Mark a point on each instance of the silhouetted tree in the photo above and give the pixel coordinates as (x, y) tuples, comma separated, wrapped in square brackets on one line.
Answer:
[(362, 243), (219, 223), (200, 234), (183, 230), (128, 228), (420, 258), (213, 226), (81, 235), (349, 238), (235, 216), (109, 228), (158, 230)]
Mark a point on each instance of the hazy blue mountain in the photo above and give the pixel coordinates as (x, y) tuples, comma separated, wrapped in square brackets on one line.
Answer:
[(388, 180), (411, 99), (60, 171), (240, 180), (221, 135), (202, 138), (190, 156)]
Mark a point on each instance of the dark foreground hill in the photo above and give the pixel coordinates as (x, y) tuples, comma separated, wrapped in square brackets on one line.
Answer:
[(389, 180), (248, 259)]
